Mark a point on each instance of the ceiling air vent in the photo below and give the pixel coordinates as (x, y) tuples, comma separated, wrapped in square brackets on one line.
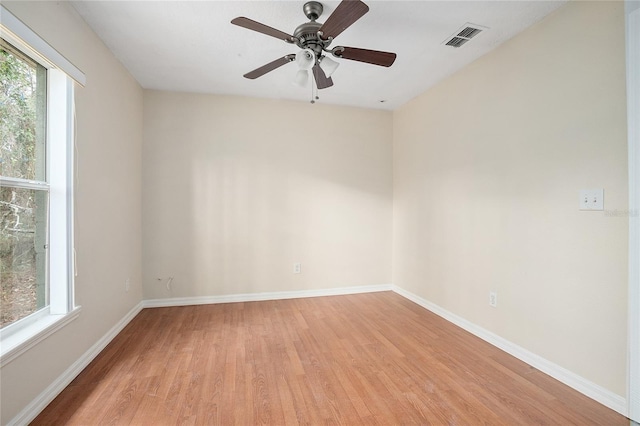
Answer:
[(464, 34), (457, 41)]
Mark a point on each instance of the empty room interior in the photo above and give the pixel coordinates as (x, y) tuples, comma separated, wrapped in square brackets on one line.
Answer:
[(438, 225)]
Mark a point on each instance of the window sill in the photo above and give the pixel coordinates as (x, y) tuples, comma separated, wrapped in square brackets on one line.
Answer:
[(17, 343)]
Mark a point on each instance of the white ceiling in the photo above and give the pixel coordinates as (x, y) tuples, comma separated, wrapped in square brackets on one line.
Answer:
[(191, 46)]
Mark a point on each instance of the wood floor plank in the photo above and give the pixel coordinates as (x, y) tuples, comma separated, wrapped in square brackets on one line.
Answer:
[(373, 358)]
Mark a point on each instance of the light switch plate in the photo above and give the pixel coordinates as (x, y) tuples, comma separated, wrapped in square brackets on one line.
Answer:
[(592, 199)]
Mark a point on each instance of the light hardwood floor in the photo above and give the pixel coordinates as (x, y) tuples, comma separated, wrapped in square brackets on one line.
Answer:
[(372, 358)]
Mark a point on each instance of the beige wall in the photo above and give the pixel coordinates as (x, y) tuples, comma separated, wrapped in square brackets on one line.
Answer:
[(487, 169), (108, 206), (235, 190)]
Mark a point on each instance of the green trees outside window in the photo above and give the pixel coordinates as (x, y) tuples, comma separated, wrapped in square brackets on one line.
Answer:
[(24, 193)]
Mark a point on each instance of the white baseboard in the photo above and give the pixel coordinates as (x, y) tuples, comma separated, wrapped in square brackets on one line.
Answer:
[(256, 297), (582, 385), (32, 410)]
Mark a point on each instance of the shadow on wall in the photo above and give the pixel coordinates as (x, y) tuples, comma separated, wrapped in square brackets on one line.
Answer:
[(247, 199)]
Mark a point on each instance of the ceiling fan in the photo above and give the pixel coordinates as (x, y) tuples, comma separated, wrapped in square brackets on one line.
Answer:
[(314, 38)]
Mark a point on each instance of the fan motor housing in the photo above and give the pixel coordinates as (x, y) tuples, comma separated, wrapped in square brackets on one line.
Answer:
[(307, 35)]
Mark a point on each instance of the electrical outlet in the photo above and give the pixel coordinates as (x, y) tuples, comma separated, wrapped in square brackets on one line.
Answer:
[(297, 268), (592, 199), (493, 299), (127, 285)]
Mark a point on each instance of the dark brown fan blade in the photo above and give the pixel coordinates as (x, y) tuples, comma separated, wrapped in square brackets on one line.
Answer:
[(322, 81), (375, 57), (261, 28), (347, 12), (258, 72)]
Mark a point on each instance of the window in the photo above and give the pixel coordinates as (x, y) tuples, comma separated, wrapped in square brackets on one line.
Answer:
[(36, 182), (24, 194)]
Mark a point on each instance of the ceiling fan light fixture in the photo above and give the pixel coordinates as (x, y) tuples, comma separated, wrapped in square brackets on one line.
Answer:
[(302, 77), (328, 65), (314, 39), (305, 59)]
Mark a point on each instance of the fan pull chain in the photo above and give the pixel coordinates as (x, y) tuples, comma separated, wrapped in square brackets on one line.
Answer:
[(314, 90)]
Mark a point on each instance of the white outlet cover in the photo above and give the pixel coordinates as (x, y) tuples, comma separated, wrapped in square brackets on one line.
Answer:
[(591, 199), (493, 299)]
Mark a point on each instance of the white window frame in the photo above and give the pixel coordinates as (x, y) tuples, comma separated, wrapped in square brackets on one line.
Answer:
[(18, 337)]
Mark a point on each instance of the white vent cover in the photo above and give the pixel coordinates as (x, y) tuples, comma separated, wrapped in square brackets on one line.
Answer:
[(464, 34)]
